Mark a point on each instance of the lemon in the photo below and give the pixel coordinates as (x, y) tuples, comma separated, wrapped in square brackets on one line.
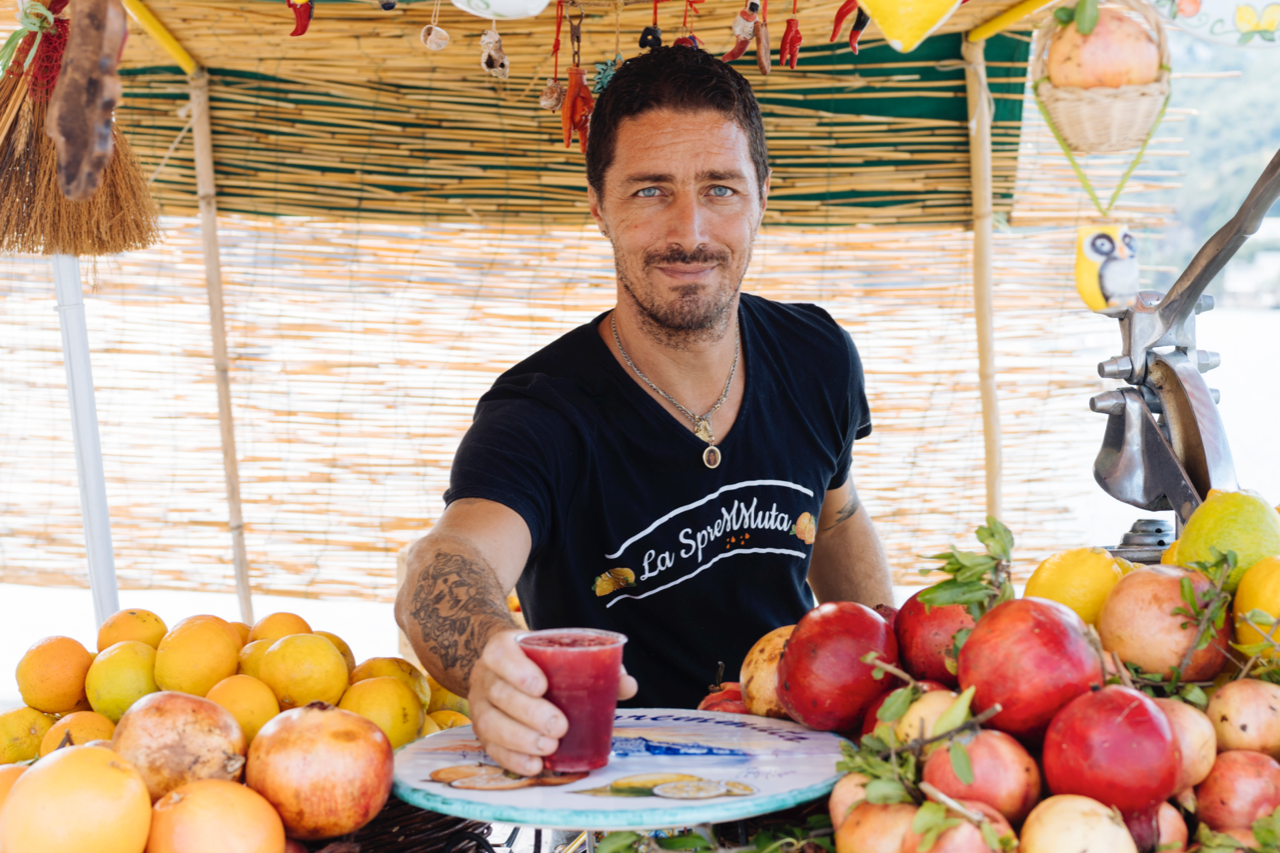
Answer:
[(1080, 578), (243, 630), (1259, 590), (448, 719), (277, 626), (119, 676), (399, 668), (445, 700), (302, 668), (136, 624), (388, 702), (1170, 555), (249, 700), (1231, 521), (21, 731), (342, 647), (197, 654), (251, 657)]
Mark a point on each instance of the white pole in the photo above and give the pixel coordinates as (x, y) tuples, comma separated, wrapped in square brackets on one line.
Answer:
[(84, 430)]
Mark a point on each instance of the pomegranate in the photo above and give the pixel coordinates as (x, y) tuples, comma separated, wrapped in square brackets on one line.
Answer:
[(1196, 741), (1173, 830), (1031, 657), (175, 738), (726, 697), (1005, 775), (1116, 746), (1137, 622), (327, 771), (963, 838), (1246, 715), (1242, 787), (849, 790), (822, 680), (1070, 824), (925, 637), (874, 828), (759, 675), (869, 721), (888, 613), (1118, 52)]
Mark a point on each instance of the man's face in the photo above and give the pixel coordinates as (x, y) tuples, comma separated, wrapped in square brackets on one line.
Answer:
[(681, 205)]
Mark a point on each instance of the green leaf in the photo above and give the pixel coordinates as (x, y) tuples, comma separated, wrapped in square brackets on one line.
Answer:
[(928, 816), (825, 843), (960, 763), (1189, 595), (818, 821), (896, 705), (1193, 695), (1261, 617), (971, 559), (874, 743), (615, 842), (961, 637), (1086, 16), (692, 841), (886, 791), (956, 714), (989, 836), (1064, 15), (997, 538), (955, 592)]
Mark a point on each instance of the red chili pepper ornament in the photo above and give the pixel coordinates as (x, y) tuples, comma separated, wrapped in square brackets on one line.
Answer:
[(859, 24), (847, 8), (303, 12), (789, 50)]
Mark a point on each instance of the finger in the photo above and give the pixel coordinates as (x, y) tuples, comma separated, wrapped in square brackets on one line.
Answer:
[(627, 686), (516, 762), (538, 714), (494, 727), (504, 657)]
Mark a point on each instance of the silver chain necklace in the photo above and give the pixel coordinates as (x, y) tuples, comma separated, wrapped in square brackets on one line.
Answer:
[(712, 456)]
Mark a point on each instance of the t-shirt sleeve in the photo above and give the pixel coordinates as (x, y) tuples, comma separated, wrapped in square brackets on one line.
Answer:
[(858, 412)]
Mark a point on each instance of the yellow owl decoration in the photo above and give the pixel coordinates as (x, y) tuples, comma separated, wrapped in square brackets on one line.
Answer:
[(1107, 267), (906, 23)]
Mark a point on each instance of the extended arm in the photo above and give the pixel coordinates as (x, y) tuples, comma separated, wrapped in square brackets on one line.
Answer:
[(848, 561)]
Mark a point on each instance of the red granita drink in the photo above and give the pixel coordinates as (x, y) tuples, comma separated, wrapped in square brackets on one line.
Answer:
[(583, 667)]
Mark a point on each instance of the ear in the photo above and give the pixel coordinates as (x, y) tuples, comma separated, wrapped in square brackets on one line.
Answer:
[(764, 191), (593, 200)]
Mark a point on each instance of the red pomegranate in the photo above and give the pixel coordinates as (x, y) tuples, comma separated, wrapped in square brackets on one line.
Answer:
[(1031, 657), (1116, 746), (1005, 775), (962, 838), (875, 828), (822, 681), (1137, 622), (849, 790), (925, 636), (728, 698), (1173, 830), (175, 738), (869, 720), (1118, 52), (1242, 787), (326, 771), (1196, 741)]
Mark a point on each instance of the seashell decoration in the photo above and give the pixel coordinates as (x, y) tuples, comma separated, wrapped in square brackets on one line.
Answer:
[(492, 57), (434, 37), (552, 95)]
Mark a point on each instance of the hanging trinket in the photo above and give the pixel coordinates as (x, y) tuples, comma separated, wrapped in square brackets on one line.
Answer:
[(859, 25), (764, 58), (744, 30), (553, 93), (847, 8), (303, 12), (604, 73), (688, 39), (493, 58), (433, 35), (651, 37), (387, 5), (575, 114), (789, 50)]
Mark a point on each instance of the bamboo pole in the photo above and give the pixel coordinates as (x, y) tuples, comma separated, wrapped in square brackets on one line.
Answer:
[(207, 192), (1005, 19), (980, 118)]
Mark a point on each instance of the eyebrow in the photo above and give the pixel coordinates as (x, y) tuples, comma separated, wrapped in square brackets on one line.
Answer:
[(666, 178)]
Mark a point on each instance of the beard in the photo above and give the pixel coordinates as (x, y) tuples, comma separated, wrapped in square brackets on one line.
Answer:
[(698, 312)]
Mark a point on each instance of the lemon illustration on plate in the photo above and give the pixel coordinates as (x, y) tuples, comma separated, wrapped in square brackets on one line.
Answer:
[(614, 579)]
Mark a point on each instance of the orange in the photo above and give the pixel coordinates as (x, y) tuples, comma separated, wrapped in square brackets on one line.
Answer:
[(80, 727), (278, 626), (141, 625), (21, 731), (302, 668), (398, 668), (342, 647), (448, 719), (444, 700), (387, 702), (251, 657), (1259, 590), (217, 620), (77, 799), (9, 774), (197, 654), (121, 675), (51, 674), (215, 816), (249, 700), (243, 630)]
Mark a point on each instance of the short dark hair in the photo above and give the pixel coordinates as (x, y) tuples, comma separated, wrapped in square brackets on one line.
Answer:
[(685, 79)]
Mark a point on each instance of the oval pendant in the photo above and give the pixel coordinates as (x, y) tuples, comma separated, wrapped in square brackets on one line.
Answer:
[(711, 457)]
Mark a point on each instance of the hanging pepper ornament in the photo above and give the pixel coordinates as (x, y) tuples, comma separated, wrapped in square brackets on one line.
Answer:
[(553, 93), (303, 12), (578, 103), (744, 30), (764, 55), (789, 50), (860, 21), (688, 39)]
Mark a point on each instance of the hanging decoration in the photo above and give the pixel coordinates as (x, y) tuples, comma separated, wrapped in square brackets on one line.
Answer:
[(789, 50), (578, 103), (744, 30), (906, 23), (502, 10), (553, 93), (764, 58), (860, 21), (604, 73), (605, 70), (651, 37), (433, 35), (1227, 22), (493, 59), (1107, 276), (303, 12), (687, 38)]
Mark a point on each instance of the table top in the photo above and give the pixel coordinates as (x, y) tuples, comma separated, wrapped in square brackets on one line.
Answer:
[(669, 768)]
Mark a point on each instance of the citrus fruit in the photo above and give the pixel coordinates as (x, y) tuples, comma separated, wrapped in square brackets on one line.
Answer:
[(249, 700), (444, 700), (141, 625), (51, 674), (277, 626), (217, 620), (302, 668), (9, 774), (1231, 521), (1079, 578), (1259, 590), (215, 816), (121, 675), (21, 731), (80, 727), (1170, 555), (342, 647), (390, 704), (398, 668), (448, 719), (243, 630), (77, 799), (251, 657), (197, 655)]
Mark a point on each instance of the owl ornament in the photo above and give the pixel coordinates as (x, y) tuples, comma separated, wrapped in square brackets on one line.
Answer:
[(1107, 268)]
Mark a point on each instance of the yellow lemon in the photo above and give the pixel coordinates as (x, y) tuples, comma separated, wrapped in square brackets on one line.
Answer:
[(342, 647), (217, 620), (51, 674), (249, 700), (197, 655), (302, 668), (444, 700), (21, 731), (1170, 555), (76, 730), (399, 668), (141, 625), (243, 630), (1231, 521), (387, 702), (121, 675), (448, 719), (278, 626), (1259, 590), (251, 657), (1079, 578)]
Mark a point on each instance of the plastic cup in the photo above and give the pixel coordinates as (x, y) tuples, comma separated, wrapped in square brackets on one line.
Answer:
[(583, 667)]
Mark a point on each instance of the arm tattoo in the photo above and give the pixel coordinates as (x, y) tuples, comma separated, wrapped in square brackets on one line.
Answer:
[(458, 606), (849, 509)]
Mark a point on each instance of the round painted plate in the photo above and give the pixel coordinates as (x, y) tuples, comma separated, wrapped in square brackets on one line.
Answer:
[(762, 764)]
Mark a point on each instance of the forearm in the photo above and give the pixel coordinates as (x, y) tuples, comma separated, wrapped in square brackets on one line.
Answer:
[(848, 562)]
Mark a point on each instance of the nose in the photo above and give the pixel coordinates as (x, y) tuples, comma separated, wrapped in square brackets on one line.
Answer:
[(687, 221)]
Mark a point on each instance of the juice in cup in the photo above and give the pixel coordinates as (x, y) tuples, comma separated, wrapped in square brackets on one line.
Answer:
[(583, 668)]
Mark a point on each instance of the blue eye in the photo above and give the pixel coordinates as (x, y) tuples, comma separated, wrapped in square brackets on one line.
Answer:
[(721, 192), (648, 192)]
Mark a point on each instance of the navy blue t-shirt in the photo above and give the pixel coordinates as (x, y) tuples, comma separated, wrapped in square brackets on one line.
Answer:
[(631, 531)]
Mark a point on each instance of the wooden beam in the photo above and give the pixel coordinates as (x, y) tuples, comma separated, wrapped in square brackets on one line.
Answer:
[(1005, 19)]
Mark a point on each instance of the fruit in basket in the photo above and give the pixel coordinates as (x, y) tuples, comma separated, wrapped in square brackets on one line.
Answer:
[(21, 732), (121, 675), (249, 700), (1079, 578), (963, 837), (389, 703), (1246, 715), (77, 799), (175, 738), (1030, 656), (226, 626), (196, 654), (277, 626), (215, 816), (1116, 746), (1069, 823), (137, 624), (77, 729), (326, 771), (1242, 787), (397, 668), (923, 714), (1005, 775), (1231, 521), (342, 647), (1259, 589), (870, 719), (759, 674), (51, 675), (823, 681), (926, 637), (303, 668), (1172, 830), (1139, 624), (250, 658), (851, 789), (445, 700), (1117, 52), (1197, 743), (875, 828)]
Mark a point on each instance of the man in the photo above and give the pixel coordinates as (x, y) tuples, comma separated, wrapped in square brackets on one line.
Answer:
[(675, 470)]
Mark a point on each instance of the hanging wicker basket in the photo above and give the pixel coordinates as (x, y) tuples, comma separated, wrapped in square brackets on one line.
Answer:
[(1102, 120)]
